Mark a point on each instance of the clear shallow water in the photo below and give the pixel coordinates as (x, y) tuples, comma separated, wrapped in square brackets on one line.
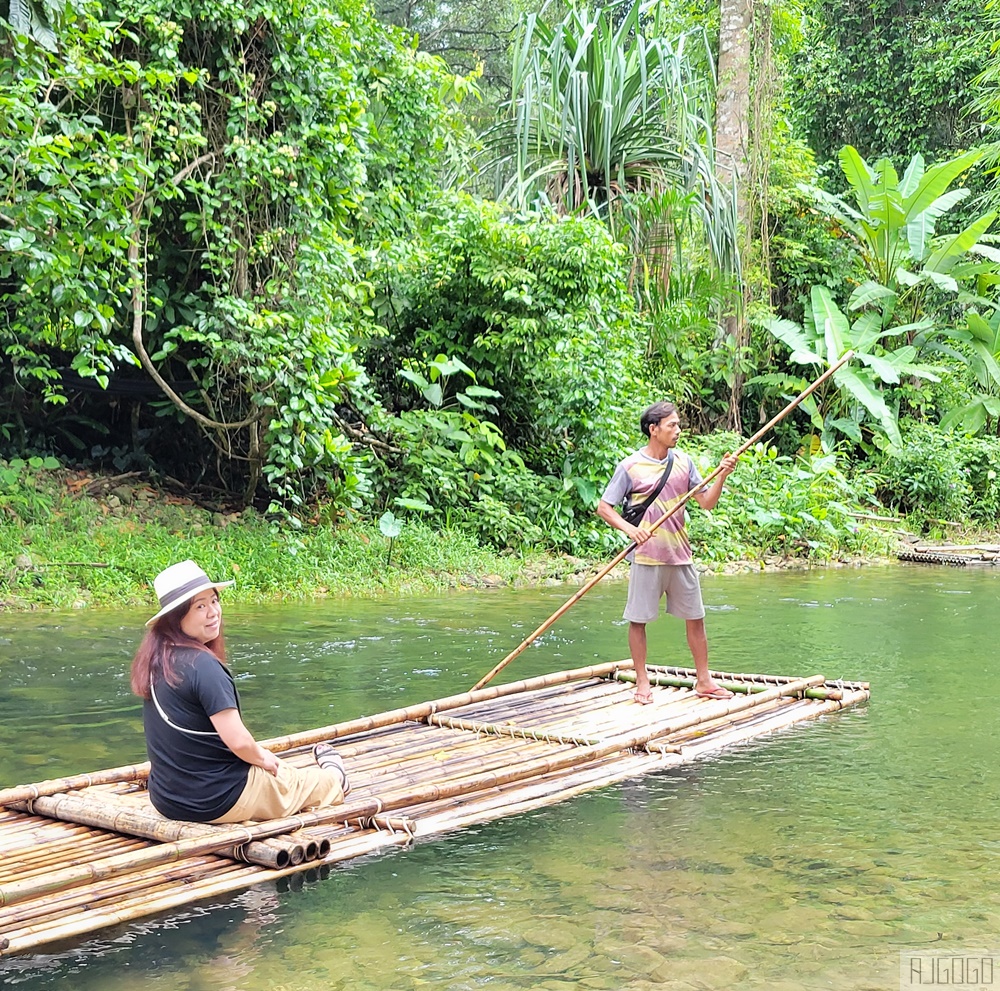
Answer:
[(805, 860)]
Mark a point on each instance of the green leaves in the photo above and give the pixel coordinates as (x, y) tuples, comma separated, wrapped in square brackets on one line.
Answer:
[(862, 397), (390, 525), (894, 220), (605, 106)]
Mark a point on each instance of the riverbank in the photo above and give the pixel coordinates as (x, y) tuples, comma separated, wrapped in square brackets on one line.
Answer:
[(70, 539)]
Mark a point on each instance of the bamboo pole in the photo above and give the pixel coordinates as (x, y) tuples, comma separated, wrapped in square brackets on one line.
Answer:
[(277, 851), (739, 687), (767, 679), (681, 502)]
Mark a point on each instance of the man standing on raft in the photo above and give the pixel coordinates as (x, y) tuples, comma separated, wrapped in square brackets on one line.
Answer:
[(661, 564)]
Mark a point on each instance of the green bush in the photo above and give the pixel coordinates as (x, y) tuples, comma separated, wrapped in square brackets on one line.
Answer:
[(927, 476), (539, 315), (939, 475), (778, 505)]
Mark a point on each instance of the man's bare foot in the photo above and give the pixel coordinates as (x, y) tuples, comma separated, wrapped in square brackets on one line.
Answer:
[(643, 698)]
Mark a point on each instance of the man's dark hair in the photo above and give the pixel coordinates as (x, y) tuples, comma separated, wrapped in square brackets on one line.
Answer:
[(655, 413)]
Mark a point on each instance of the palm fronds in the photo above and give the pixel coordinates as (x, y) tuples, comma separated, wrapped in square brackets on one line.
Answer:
[(604, 108)]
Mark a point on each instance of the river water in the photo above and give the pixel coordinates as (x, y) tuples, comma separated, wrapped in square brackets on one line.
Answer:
[(808, 859)]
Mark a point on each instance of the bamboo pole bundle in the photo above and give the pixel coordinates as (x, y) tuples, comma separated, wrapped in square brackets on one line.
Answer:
[(475, 797), (508, 729), (418, 713), (280, 853), (276, 851), (779, 721), (702, 739), (39, 865), (395, 800), (51, 907), (55, 786), (435, 748), (147, 902), (233, 877)]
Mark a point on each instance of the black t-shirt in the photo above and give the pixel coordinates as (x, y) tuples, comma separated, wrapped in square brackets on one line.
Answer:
[(192, 777)]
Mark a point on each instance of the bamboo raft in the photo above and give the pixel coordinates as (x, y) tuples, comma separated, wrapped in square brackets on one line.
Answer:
[(954, 555), (83, 853)]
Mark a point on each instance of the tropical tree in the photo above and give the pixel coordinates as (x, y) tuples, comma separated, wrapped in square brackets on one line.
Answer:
[(859, 407), (891, 77), (921, 299), (607, 108), (179, 210), (893, 225)]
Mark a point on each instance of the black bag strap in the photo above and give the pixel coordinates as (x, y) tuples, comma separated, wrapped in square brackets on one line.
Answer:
[(640, 510)]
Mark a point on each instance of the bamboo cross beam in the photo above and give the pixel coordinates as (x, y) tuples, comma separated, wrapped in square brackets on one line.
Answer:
[(739, 687), (681, 502), (768, 679)]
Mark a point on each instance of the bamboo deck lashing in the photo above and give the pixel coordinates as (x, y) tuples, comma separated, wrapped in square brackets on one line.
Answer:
[(493, 754)]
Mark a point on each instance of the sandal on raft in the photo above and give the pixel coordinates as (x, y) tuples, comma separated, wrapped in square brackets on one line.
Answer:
[(716, 693), (330, 760), (643, 698)]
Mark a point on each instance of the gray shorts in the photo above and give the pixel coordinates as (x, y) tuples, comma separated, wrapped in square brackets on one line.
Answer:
[(648, 583)]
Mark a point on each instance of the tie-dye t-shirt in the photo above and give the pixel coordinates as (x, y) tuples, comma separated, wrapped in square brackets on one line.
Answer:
[(636, 477)]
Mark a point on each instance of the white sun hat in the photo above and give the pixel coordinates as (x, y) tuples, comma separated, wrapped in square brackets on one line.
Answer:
[(179, 583)]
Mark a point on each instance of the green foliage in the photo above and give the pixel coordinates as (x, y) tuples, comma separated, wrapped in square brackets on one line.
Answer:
[(917, 281), (937, 476), (803, 251), (34, 19), (982, 344), (135, 541), (181, 189), (604, 105), (890, 77), (893, 225), (23, 498), (540, 314), (779, 505), (824, 338)]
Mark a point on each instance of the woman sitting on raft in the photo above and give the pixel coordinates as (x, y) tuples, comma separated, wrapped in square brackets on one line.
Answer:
[(205, 765)]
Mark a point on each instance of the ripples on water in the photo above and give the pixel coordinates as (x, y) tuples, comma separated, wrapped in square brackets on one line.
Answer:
[(805, 860)]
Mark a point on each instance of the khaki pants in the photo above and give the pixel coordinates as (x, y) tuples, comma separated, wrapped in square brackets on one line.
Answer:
[(293, 789), (648, 583)]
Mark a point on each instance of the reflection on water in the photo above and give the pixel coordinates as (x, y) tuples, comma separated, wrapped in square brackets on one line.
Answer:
[(806, 860)]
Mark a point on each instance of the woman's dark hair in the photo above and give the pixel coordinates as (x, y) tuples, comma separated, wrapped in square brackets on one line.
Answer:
[(655, 413), (154, 660)]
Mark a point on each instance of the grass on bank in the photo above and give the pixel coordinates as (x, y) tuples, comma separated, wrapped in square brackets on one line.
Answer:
[(67, 551), (69, 540)]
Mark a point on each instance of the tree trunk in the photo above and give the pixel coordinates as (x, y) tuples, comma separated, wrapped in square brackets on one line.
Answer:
[(732, 139)]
